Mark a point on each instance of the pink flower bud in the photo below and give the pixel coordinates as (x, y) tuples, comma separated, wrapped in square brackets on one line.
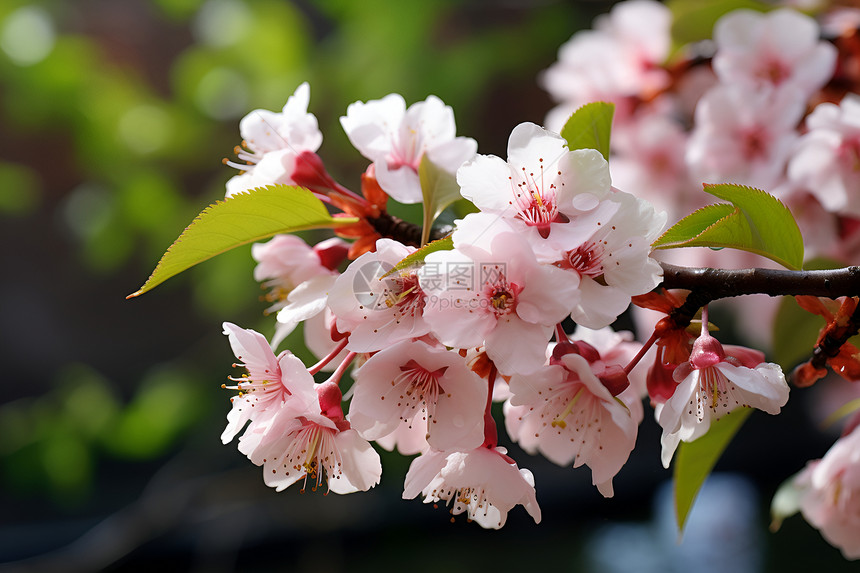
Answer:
[(330, 398), (615, 379), (707, 351)]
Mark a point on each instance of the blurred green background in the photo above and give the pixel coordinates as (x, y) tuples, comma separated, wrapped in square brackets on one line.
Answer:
[(115, 116)]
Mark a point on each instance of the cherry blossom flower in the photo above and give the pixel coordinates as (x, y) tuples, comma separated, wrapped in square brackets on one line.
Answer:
[(396, 139), (826, 160), (499, 297), (744, 136), (648, 157), (272, 141), (830, 494), (541, 188), (416, 381), (712, 384), (315, 443), (780, 49), (379, 310), (285, 262), (617, 61), (484, 483), (613, 264), (568, 413), (619, 348), (270, 381), (408, 438)]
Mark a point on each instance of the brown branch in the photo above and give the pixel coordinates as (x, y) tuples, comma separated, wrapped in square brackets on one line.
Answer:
[(724, 283), (405, 232), (707, 285)]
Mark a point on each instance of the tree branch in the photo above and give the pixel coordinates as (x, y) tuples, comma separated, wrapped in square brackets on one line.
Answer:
[(707, 285), (724, 283)]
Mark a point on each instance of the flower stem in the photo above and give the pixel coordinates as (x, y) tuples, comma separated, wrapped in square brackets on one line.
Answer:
[(491, 434), (645, 347), (331, 355), (338, 374)]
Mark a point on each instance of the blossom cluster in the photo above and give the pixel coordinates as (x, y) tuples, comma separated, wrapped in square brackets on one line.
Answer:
[(419, 331), (769, 101), (434, 336)]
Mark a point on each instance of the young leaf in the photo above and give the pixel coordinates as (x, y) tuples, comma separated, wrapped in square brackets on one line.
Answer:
[(758, 223), (695, 460), (589, 127), (439, 189), (238, 220), (416, 258)]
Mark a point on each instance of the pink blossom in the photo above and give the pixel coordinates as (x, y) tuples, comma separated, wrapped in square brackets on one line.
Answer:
[(617, 61), (285, 262), (379, 310), (830, 494), (313, 444), (648, 159), (408, 438), (619, 348), (414, 381), (396, 139), (484, 483), (568, 413), (499, 297), (541, 188), (613, 263), (270, 381), (743, 136), (826, 160), (779, 49), (272, 141), (712, 384)]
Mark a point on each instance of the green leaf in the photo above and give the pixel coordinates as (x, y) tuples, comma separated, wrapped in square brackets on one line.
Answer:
[(439, 189), (759, 223), (241, 219), (417, 258), (589, 127), (695, 460)]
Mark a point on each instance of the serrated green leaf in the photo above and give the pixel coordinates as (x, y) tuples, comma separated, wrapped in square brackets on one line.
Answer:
[(417, 258), (439, 189), (694, 224), (695, 460), (238, 220), (759, 223), (590, 127)]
